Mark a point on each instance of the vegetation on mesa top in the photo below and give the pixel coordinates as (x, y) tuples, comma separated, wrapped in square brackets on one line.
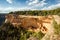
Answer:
[(38, 12), (56, 27)]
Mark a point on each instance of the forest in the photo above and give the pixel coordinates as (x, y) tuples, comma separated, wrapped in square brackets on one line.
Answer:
[(38, 12)]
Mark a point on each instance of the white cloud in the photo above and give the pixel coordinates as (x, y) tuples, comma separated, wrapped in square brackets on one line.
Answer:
[(33, 2), (36, 3), (9, 9), (51, 7), (9, 1)]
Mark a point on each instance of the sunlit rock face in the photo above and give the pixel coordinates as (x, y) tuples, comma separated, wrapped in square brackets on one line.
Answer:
[(32, 23)]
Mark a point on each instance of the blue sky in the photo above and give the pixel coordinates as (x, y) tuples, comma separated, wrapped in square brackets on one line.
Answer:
[(17, 5)]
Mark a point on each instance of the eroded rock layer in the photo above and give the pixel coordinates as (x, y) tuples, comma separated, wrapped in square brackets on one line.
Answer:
[(32, 23)]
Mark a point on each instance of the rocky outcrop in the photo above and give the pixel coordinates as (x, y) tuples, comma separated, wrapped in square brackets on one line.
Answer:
[(32, 23)]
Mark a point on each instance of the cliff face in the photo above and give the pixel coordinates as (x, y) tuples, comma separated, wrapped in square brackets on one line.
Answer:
[(32, 23)]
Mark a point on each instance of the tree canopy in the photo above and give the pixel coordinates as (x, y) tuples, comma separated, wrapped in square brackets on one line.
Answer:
[(38, 12)]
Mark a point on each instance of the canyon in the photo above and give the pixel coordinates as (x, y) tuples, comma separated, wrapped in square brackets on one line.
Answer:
[(33, 23)]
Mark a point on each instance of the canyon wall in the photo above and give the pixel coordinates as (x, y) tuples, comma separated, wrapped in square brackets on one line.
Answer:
[(33, 23)]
